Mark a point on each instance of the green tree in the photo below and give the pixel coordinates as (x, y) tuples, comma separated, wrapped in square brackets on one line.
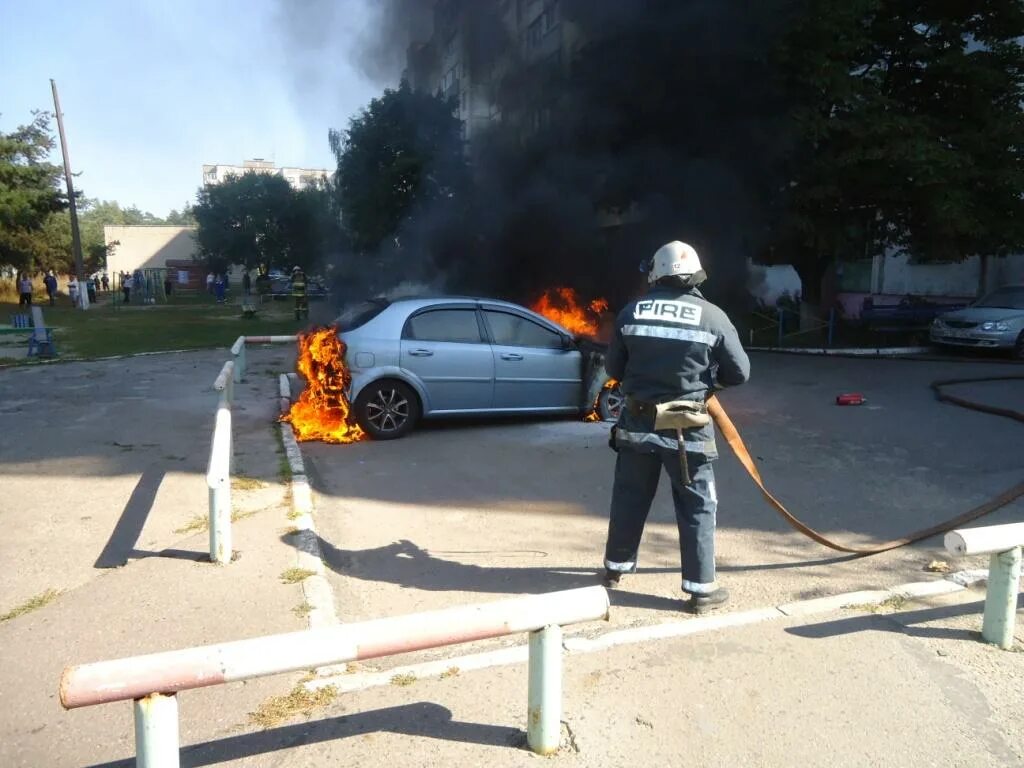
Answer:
[(183, 218), (403, 154), (29, 191), (257, 219), (908, 132)]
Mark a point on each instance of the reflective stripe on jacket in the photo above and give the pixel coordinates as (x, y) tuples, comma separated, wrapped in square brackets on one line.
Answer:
[(673, 344)]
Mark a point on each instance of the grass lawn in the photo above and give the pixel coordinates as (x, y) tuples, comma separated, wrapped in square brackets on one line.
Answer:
[(185, 323)]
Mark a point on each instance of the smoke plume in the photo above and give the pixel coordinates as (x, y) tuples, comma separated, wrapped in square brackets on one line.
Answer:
[(663, 123)]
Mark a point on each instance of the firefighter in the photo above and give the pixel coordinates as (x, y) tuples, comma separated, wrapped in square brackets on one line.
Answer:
[(299, 292), (670, 350)]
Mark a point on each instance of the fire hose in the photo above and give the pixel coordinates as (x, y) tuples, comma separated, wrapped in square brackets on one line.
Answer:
[(732, 437)]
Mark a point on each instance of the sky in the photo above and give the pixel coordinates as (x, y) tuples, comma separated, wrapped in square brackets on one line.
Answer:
[(151, 90)]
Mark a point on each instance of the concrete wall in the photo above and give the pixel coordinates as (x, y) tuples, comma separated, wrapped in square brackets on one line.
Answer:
[(148, 247), (887, 280)]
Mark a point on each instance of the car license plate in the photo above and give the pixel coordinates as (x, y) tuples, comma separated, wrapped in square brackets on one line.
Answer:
[(958, 334)]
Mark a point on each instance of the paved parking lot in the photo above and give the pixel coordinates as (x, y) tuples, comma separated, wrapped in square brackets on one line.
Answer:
[(467, 511)]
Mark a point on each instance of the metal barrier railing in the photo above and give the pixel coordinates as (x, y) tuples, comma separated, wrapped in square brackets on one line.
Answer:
[(218, 471), (1003, 544), (153, 681), (238, 349), (780, 321)]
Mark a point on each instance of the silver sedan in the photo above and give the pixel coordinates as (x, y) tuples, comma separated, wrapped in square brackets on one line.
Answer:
[(996, 321), (429, 357)]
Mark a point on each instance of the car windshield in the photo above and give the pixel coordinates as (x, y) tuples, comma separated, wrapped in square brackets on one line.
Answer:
[(360, 314), (1004, 298)]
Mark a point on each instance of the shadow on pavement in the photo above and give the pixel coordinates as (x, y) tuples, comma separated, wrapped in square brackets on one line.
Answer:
[(419, 719), (405, 564), (121, 544), (901, 622)]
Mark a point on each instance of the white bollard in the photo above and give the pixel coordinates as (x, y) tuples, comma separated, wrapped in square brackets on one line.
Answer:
[(1003, 544), (238, 350), (544, 696), (218, 481), (1001, 598), (156, 731)]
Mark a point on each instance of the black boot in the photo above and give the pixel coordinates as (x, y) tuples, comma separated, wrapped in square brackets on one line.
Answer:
[(611, 578), (699, 604)]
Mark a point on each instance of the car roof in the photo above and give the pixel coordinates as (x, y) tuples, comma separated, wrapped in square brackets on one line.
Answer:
[(416, 302), (410, 304)]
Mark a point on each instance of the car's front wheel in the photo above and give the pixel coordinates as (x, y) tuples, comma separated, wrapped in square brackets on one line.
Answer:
[(387, 409), (609, 403)]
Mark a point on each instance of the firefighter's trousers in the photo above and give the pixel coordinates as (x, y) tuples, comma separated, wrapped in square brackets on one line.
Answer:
[(636, 481)]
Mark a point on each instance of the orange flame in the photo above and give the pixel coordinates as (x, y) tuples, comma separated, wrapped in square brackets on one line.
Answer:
[(322, 411), (563, 306)]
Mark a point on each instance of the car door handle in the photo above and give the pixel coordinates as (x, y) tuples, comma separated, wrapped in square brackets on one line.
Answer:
[(511, 356), (420, 353)]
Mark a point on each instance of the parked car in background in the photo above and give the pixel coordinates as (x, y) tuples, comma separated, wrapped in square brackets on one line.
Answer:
[(995, 321), (444, 356)]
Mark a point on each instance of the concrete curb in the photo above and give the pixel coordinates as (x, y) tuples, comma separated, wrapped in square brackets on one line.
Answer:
[(315, 588), (954, 582)]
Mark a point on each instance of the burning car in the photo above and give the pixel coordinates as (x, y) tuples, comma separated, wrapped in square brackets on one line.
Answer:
[(423, 357)]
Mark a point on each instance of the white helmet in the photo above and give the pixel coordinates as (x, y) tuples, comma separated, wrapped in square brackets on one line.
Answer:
[(676, 259)]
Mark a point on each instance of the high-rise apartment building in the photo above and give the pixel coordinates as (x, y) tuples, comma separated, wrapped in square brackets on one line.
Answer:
[(299, 178)]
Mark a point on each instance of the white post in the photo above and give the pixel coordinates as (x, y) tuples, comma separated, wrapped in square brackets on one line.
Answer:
[(544, 697), (1001, 598), (156, 731), (238, 350), (218, 480)]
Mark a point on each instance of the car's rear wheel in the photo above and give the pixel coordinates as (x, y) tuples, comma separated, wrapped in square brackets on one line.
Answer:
[(609, 403), (387, 410)]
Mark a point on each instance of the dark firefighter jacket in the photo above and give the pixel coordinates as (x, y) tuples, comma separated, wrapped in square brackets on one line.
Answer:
[(672, 344)]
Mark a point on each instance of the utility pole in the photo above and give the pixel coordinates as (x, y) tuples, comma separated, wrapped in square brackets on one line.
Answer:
[(76, 239)]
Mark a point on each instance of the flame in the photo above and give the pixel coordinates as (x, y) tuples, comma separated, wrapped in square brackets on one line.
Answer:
[(593, 415), (563, 306), (322, 411)]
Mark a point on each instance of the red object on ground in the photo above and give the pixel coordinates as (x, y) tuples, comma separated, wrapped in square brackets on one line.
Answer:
[(850, 399)]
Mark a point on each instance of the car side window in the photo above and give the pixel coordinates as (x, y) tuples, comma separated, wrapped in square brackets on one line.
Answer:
[(514, 331), (458, 325)]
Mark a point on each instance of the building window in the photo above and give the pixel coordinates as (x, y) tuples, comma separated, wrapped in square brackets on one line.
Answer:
[(450, 82), (542, 25), (535, 33), (549, 19)]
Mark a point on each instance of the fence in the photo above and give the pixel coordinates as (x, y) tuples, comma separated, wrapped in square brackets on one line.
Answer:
[(1003, 544), (776, 326), (153, 681)]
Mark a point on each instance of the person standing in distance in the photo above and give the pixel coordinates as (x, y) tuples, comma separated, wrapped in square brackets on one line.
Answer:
[(670, 351)]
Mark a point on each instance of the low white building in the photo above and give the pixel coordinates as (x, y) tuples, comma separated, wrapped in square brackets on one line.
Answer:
[(888, 279), (170, 248), (146, 246)]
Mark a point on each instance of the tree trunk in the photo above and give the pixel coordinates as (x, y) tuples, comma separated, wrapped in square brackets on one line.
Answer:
[(811, 270)]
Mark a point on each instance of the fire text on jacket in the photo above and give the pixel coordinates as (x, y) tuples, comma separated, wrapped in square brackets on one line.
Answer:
[(667, 310)]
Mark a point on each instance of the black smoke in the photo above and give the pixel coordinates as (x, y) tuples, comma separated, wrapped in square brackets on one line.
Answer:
[(665, 123)]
